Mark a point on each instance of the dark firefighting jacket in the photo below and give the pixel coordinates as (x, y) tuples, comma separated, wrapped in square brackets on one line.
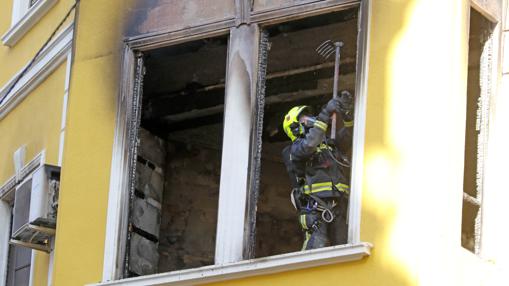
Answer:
[(315, 163)]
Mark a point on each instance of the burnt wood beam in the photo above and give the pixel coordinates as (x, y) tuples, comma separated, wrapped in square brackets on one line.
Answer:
[(274, 99), (205, 100), (346, 61)]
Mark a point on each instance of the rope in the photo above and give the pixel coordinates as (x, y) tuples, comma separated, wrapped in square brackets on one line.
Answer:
[(32, 61)]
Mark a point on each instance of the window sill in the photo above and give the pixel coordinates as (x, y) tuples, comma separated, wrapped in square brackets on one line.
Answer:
[(33, 15), (253, 267)]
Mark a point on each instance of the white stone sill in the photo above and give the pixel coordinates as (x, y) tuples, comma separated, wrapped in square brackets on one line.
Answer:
[(253, 267), (32, 16)]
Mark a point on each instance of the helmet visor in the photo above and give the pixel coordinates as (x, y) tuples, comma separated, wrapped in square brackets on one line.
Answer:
[(307, 121)]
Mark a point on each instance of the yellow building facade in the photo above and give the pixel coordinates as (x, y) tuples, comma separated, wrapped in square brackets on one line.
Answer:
[(419, 70)]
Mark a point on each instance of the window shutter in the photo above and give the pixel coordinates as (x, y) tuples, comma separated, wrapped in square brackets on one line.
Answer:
[(18, 273)]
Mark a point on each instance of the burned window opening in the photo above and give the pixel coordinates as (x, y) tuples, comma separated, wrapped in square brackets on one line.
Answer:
[(297, 75), (174, 201), (173, 213), (480, 54)]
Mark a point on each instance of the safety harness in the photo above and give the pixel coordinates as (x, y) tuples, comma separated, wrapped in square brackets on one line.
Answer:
[(314, 202), (310, 194)]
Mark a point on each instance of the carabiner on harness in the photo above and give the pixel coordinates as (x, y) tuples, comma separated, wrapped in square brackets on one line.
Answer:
[(327, 214)]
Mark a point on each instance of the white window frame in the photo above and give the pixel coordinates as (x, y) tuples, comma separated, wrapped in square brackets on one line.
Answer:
[(7, 190), (5, 223), (230, 264), (487, 233), (24, 18)]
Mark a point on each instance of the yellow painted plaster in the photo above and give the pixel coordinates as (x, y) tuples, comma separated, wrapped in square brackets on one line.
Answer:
[(412, 176), (89, 138), (35, 122), (40, 269), (13, 59)]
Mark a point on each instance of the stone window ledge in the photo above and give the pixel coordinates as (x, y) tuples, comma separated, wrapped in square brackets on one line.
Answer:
[(253, 267), (32, 16)]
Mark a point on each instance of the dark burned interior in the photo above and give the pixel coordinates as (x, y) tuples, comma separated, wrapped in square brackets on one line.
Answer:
[(179, 155), (182, 113), (296, 75)]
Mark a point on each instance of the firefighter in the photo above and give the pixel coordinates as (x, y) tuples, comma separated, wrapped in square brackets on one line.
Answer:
[(319, 169)]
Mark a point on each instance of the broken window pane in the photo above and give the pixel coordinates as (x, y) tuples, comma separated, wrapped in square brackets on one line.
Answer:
[(298, 75), (174, 207)]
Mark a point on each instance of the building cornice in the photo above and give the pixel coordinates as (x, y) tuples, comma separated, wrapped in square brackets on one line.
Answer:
[(33, 15), (49, 59)]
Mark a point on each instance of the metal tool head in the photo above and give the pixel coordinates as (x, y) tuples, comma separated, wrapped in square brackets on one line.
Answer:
[(327, 48)]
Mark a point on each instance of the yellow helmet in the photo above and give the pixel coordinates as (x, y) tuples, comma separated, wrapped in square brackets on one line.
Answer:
[(291, 124)]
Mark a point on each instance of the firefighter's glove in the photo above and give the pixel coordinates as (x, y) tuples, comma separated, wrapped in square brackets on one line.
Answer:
[(332, 106), (346, 105)]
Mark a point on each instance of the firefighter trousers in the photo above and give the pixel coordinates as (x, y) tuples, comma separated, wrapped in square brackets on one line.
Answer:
[(319, 233)]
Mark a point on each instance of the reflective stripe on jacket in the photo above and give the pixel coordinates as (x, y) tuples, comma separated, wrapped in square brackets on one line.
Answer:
[(312, 162)]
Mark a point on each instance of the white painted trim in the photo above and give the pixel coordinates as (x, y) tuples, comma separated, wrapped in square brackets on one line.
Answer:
[(7, 187), (63, 119), (240, 94), (488, 235), (19, 8), (32, 268), (481, 8), (117, 196), (19, 159), (254, 267), (51, 262), (61, 142), (50, 58), (61, 152), (31, 166), (116, 219), (10, 184), (359, 131), (5, 226), (29, 19)]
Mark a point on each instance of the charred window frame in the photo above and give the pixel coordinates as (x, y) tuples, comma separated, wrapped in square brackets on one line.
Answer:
[(481, 83), (238, 242)]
